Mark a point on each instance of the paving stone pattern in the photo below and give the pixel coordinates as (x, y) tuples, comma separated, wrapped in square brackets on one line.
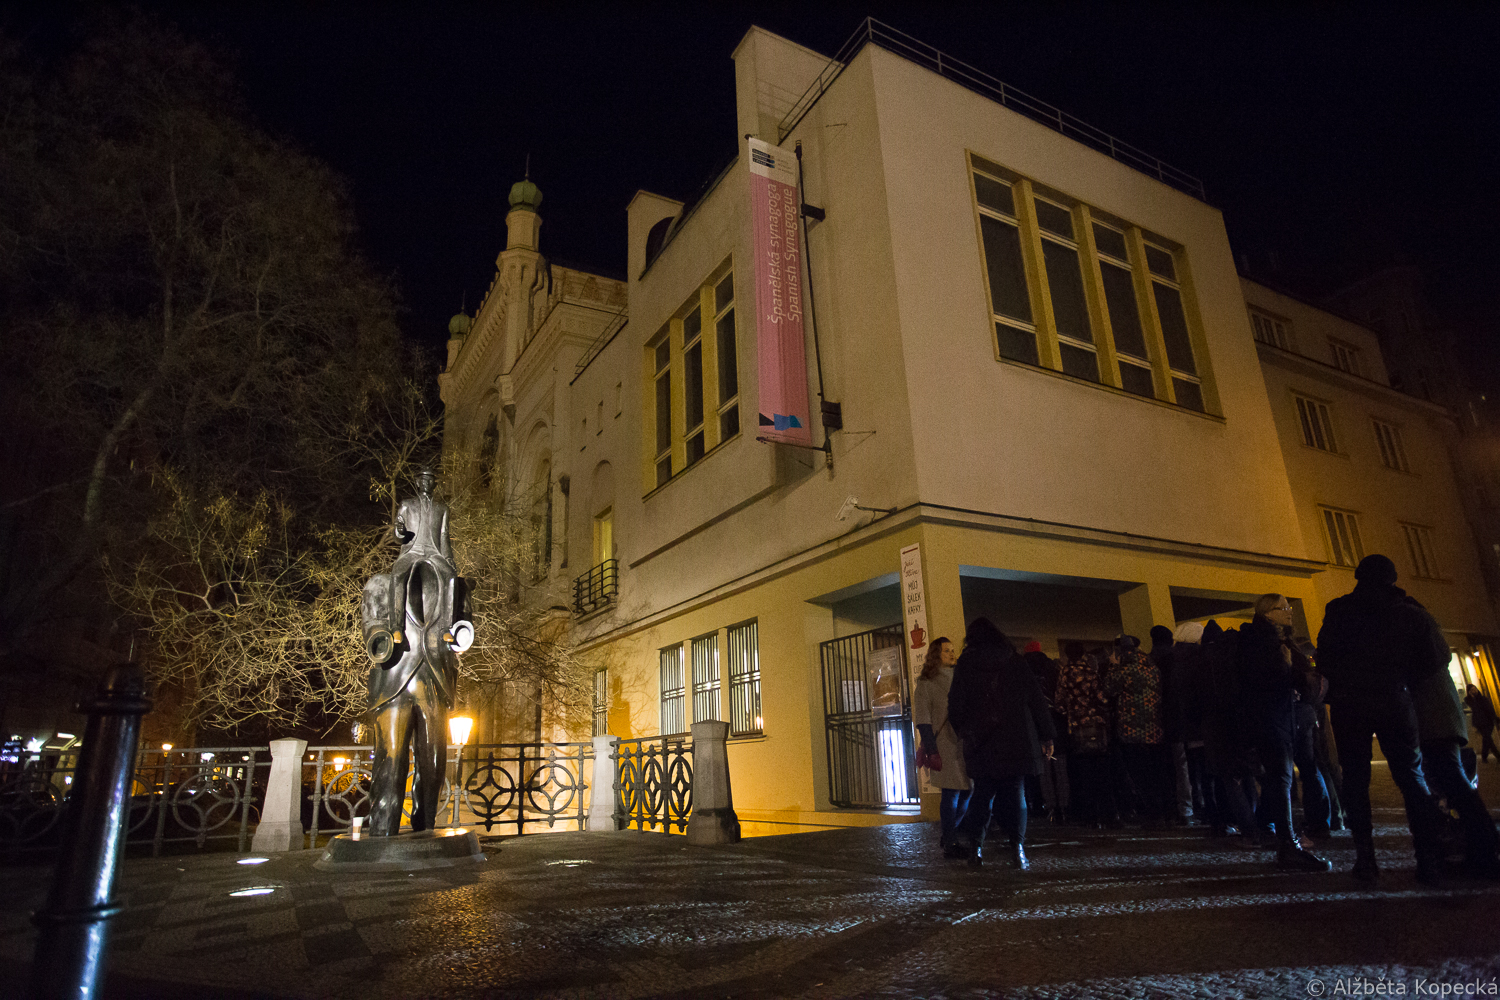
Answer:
[(866, 912)]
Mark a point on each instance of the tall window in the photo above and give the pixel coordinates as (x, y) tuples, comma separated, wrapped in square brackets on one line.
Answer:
[(1392, 450), (1420, 550), (1073, 289), (673, 692), (601, 702), (1271, 330), (1317, 424), (1345, 357), (744, 680), (706, 678), (604, 535), (1341, 528), (692, 411)]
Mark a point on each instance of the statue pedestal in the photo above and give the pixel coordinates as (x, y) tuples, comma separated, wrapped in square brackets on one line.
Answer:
[(402, 853)]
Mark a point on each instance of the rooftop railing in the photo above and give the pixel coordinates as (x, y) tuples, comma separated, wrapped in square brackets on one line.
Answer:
[(960, 72)]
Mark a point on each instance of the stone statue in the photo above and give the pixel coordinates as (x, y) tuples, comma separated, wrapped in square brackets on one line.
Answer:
[(415, 622)]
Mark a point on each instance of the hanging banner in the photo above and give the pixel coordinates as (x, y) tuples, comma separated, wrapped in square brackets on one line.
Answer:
[(777, 245), (913, 603)]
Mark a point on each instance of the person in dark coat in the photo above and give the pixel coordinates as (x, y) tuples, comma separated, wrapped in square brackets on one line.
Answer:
[(1317, 809), (1375, 644), (1226, 749), (1444, 731), (1183, 700), (998, 709), (1269, 677), (1164, 655), (1051, 789), (1482, 714)]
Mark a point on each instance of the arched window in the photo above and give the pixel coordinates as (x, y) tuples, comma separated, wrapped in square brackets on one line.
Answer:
[(489, 447)]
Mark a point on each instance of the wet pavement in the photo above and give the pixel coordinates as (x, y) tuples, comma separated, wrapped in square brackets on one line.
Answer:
[(862, 912)]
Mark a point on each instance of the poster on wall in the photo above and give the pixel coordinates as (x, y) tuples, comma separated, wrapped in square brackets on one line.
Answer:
[(883, 670), (913, 603), (777, 245)]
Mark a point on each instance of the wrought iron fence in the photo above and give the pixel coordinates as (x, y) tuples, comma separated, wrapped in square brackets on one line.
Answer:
[(193, 795), (870, 758), (654, 783)]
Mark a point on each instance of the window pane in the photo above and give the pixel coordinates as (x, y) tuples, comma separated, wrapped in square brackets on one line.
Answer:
[(1079, 362), (1189, 394), (1016, 344), (1159, 261), (729, 365), (1134, 378), (744, 680), (724, 294), (693, 384), (695, 448), (1174, 328), (729, 423), (1110, 241), (706, 679), (1002, 259), (692, 325), (1124, 317), (1066, 284), (1054, 219), (663, 471), (663, 353), (994, 194), (673, 693), (663, 412)]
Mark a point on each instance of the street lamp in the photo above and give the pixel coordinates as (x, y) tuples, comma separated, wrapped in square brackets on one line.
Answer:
[(459, 727), (166, 748)]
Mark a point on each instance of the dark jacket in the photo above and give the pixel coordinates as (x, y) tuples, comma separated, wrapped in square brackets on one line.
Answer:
[(1483, 712), (1184, 708), (997, 707), (1218, 692), (1269, 683), (1376, 643)]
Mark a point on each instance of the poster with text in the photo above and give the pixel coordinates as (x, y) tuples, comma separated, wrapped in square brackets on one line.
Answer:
[(774, 209), (913, 602)]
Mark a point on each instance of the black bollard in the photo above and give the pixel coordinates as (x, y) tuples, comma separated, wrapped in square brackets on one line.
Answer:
[(74, 925)]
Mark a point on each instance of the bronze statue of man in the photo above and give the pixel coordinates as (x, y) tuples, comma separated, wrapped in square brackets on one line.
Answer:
[(415, 622)]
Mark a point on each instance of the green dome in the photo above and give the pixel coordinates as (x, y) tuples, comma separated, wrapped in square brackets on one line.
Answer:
[(459, 325), (524, 194)]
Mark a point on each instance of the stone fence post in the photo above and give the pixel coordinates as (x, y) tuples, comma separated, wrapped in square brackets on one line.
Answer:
[(280, 826), (602, 786), (713, 820)]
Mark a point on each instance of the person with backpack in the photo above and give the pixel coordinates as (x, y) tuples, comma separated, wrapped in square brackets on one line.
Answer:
[(1375, 645), (997, 707)]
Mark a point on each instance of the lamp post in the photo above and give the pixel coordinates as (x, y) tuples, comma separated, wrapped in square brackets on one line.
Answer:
[(459, 727)]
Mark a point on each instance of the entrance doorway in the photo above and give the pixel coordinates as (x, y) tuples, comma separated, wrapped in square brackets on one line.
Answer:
[(871, 759)]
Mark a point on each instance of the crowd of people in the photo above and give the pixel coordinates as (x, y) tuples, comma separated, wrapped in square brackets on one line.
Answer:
[(1216, 727)]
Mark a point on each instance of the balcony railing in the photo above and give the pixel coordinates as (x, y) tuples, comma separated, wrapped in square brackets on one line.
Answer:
[(597, 588)]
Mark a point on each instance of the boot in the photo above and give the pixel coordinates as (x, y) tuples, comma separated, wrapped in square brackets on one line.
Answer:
[(1291, 854), (976, 860), (954, 849), (1018, 857), (1365, 868)]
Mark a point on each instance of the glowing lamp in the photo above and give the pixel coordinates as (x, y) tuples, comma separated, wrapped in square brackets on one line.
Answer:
[(166, 748), (459, 728), (339, 762)]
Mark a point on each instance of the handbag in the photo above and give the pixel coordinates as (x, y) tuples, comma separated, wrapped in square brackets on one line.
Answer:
[(1091, 737)]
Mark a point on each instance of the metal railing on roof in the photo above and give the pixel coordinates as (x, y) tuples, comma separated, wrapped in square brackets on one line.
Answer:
[(615, 325), (960, 72)]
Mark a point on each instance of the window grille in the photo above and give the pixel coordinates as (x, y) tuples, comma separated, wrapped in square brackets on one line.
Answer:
[(601, 702), (673, 692), (706, 678), (744, 680)]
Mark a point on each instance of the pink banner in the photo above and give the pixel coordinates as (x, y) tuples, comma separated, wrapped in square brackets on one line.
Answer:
[(774, 207)]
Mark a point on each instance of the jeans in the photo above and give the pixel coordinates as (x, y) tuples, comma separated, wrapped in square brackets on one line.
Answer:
[(1004, 795), (951, 809), (1444, 771), (1315, 805), (1276, 787), (1393, 721)]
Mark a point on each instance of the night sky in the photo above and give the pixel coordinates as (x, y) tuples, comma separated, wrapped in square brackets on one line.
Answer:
[(1336, 140)]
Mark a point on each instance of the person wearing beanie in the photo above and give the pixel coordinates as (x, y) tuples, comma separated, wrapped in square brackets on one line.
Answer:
[(1375, 646)]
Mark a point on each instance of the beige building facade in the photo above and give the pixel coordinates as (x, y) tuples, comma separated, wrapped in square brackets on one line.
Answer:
[(1049, 383)]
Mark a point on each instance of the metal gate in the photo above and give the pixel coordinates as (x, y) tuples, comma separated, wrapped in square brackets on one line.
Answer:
[(871, 761)]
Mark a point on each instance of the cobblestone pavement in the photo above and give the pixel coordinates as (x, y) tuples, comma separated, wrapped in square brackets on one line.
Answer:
[(868, 912)]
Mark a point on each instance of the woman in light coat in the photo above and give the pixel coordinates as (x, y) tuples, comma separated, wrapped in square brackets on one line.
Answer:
[(930, 712)]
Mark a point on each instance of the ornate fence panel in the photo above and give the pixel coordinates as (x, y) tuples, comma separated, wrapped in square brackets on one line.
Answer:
[(654, 783), (192, 795)]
